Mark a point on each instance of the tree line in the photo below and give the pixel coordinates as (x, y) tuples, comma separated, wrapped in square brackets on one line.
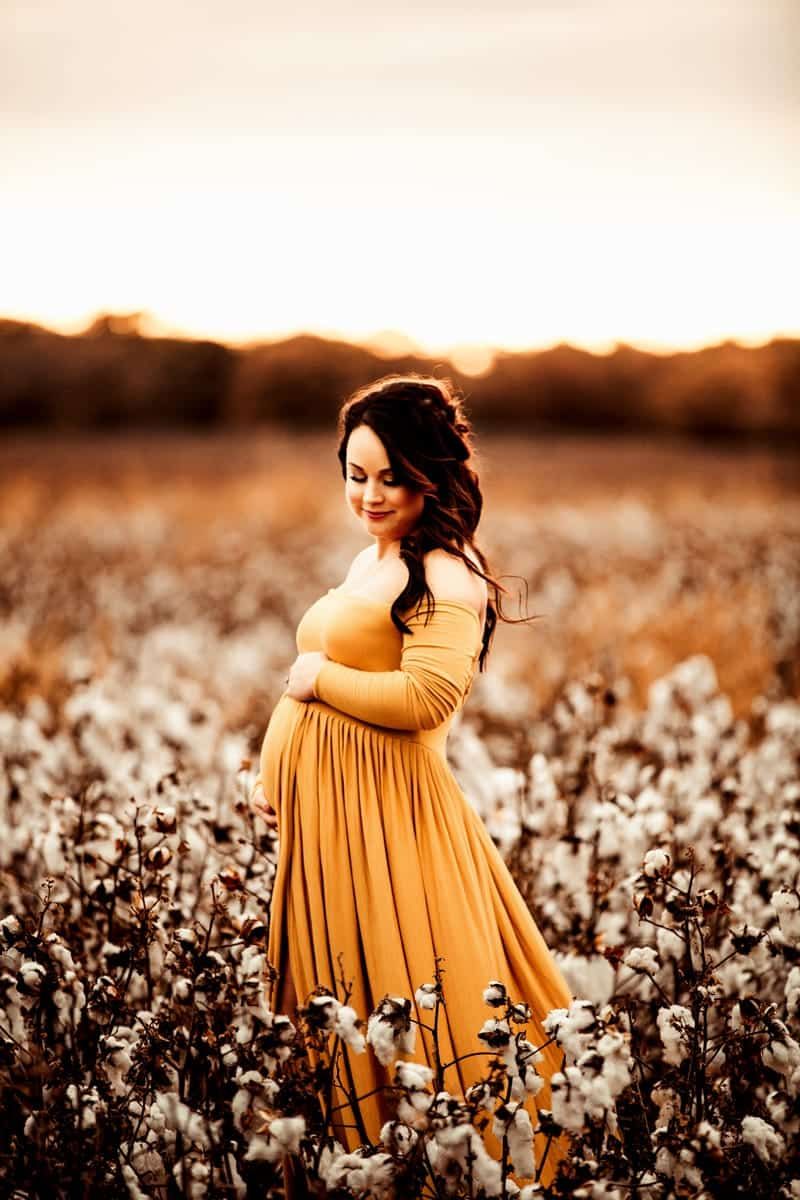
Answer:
[(111, 376)]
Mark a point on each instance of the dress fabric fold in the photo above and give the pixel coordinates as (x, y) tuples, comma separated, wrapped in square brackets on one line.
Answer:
[(383, 864)]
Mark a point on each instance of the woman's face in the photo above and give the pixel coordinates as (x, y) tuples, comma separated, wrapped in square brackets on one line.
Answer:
[(371, 488)]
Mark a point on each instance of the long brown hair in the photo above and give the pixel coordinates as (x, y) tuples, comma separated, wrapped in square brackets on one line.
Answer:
[(428, 438)]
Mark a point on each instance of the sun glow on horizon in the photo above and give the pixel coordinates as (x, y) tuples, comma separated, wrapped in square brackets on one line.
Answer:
[(469, 358), (519, 180), (653, 285)]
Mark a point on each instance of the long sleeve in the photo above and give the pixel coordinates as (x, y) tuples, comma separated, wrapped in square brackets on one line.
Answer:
[(436, 666)]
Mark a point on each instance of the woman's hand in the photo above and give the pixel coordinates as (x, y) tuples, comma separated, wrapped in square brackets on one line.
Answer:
[(261, 806), (303, 672)]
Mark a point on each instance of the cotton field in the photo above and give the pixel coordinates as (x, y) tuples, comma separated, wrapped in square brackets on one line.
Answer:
[(635, 754)]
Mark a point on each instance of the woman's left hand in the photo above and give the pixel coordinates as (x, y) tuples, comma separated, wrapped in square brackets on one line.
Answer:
[(303, 672)]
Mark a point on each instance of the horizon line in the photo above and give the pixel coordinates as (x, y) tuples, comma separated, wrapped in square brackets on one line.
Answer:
[(391, 343)]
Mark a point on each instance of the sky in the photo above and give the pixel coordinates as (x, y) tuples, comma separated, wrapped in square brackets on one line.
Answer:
[(451, 176)]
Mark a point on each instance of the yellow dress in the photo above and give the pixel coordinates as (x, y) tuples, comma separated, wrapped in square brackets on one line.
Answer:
[(381, 856)]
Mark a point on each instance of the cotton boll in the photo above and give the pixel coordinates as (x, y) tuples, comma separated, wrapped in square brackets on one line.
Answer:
[(389, 1028), (481, 1095), (642, 958), (261, 1148), (472, 766), (544, 791), (779, 1108), (328, 1161), (495, 994), (376, 1176), (30, 977), (675, 1025), (520, 1012), (386, 1041), (667, 1102), (253, 1087), (346, 1026), (792, 993), (182, 989), (414, 1104), (617, 1062), (84, 1102), (193, 1174), (519, 1057), (782, 1052), (11, 929), (412, 1075), (132, 1183), (702, 820), (426, 996), (516, 1126), (784, 718), (180, 1118), (117, 1061), (503, 825), (283, 1137), (545, 813), (323, 1012), (786, 904), (148, 1163), (496, 1033), (652, 820), (413, 1109), (768, 1144), (361, 1174), (671, 945), (566, 1098), (656, 862), (187, 938), (399, 1139), (599, 822), (573, 1028), (452, 1144), (593, 978)]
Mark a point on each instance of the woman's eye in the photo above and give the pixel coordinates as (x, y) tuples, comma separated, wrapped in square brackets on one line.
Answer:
[(388, 482)]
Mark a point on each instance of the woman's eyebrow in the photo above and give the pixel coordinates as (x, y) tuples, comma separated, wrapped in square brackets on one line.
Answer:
[(382, 471)]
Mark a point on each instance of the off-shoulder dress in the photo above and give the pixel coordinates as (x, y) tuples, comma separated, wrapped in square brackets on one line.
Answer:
[(381, 857)]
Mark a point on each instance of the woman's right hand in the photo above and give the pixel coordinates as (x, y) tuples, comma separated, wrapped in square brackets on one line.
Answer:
[(261, 806)]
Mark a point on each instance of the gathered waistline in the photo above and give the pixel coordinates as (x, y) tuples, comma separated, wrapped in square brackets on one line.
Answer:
[(427, 739)]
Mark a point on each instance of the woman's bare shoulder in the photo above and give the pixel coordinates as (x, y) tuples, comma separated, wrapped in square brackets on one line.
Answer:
[(450, 578)]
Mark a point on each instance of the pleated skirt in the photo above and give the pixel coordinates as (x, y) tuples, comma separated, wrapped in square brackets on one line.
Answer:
[(383, 861)]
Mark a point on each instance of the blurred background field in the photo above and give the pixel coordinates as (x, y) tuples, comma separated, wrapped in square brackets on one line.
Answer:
[(636, 552)]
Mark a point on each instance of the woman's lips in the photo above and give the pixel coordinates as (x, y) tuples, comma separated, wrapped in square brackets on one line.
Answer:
[(376, 516)]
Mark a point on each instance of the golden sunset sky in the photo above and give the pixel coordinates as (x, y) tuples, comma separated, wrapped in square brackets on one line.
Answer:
[(458, 173)]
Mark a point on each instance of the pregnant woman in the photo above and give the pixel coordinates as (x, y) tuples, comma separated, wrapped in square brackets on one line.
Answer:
[(382, 859)]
